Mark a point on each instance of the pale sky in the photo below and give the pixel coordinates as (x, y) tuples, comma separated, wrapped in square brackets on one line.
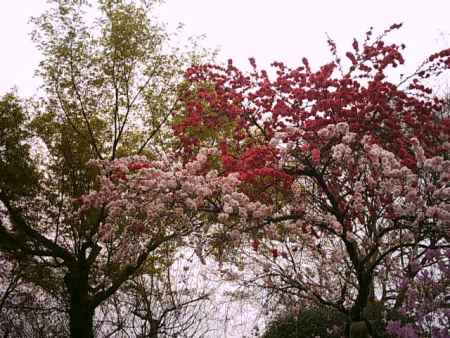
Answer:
[(269, 30)]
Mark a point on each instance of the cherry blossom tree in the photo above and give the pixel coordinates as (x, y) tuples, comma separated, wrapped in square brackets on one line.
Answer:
[(354, 167)]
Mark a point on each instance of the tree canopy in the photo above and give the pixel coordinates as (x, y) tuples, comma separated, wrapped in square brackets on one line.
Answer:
[(328, 189), (109, 91)]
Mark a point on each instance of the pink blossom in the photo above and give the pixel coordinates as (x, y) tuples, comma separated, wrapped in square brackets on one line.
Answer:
[(342, 128), (222, 217), (348, 138), (235, 235), (228, 209)]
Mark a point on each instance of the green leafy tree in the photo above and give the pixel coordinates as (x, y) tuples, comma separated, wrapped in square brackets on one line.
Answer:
[(109, 90)]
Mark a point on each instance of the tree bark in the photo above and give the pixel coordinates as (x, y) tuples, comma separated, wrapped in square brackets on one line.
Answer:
[(81, 311), (358, 327), (364, 284), (154, 328)]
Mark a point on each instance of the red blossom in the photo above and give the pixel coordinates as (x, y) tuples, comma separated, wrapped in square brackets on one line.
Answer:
[(255, 244), (274, 253), (138, 165), (315, 155)]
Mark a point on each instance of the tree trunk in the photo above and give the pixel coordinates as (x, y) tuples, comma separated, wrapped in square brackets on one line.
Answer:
[(81, 311), (154, 328), (364, 285), (358, 327)]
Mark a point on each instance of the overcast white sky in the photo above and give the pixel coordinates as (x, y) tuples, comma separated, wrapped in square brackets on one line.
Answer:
[(269, 30)]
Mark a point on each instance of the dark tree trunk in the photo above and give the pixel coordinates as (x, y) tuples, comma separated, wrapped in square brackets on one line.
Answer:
[(364, 284), (154, 328), (81, 311), (360, 325)]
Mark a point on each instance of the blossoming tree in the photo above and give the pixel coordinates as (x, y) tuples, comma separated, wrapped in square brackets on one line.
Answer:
[(355, 168), (109, 85)]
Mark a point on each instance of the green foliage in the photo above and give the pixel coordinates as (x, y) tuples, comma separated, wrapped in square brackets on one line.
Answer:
[(309, 323), (110, 81), (18, 173)]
